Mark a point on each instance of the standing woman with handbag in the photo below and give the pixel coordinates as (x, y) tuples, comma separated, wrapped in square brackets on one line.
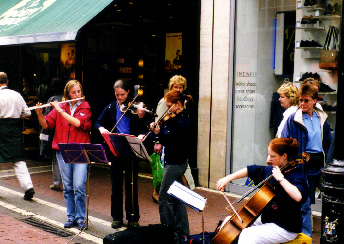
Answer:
[(174, 135), (72, 123)]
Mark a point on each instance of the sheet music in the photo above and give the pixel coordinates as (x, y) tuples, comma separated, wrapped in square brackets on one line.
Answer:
[(117, 144), (138, 148)]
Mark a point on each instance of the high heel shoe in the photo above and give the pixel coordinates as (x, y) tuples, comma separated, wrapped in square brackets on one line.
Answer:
[(328, 9)]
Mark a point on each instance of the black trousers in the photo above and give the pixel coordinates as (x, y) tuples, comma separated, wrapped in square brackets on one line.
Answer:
[(131, 166)]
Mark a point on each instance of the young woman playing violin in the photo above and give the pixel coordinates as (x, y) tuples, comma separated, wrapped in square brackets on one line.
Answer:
[(126, 123), (281, 219), (174, 135)]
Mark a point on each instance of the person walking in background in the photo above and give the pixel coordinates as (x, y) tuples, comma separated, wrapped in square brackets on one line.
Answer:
[(72, 123), (132, 124), (310, 127), (174, 135), (281, 220), (12, 108), (56, 92), (289, 99), (176, 83)]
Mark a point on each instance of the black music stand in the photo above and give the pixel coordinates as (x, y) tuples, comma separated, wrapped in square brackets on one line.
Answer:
[(83, 153), (127, 146)]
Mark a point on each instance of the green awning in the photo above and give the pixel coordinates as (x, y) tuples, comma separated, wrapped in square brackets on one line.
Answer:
[(33, 21)]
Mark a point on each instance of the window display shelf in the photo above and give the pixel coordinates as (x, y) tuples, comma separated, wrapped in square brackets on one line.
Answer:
[(310, 28), (329, 17), (310, 48), (311, 8), (328, 93)]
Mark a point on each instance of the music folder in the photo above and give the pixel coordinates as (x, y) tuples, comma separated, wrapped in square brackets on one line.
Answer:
[(82, 153), (124, 144)]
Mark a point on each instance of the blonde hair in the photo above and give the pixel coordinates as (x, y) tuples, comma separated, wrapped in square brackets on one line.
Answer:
[(291, 92), (70, 84), (179, 80)]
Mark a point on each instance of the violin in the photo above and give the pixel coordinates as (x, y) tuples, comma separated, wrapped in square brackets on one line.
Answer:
[(134, 106), (168, 116), (165, 117), (251, 210)]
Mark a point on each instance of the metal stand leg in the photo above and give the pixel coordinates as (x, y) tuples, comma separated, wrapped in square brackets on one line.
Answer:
[(132, 192), (203, 239)]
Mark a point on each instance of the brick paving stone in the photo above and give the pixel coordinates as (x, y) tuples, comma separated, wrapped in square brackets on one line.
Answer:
[(15, 231)]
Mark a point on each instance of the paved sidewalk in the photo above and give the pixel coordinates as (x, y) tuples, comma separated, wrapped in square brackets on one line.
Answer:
[(13, 230)]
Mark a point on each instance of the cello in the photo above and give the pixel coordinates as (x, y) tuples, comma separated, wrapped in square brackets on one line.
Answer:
[(251, 210)]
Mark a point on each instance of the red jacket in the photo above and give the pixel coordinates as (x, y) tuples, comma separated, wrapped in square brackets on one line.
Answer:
[(64, 131)]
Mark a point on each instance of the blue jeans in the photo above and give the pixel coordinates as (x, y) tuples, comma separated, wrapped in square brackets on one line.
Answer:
[(74, 178), (173, 211), (306, 212)]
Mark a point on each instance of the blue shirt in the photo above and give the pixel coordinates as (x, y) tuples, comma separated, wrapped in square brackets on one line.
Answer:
[(124, 125), (314, 142)]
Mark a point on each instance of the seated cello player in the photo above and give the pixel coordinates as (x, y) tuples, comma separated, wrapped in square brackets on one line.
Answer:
[(281, 220)]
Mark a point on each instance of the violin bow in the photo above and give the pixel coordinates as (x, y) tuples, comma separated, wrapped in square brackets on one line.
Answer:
[(291, 163), (230, 204), (163, 116), (124, 113)]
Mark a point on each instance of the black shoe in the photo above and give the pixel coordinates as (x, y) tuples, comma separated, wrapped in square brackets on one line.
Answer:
[(116, 224), (312, 2), (313, 20), (29, 194), (133, 225), (304, 76), (328, 10), (316, 76), (314, 44), (325, 88), (305, 20)]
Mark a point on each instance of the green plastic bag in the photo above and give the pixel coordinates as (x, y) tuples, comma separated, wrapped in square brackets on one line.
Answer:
[(157, 170)]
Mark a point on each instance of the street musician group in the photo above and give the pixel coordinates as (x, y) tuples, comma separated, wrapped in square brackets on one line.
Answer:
[(279, 220)]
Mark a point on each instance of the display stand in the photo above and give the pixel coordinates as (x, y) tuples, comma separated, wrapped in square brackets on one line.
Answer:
[(83, 153), (127, 146)]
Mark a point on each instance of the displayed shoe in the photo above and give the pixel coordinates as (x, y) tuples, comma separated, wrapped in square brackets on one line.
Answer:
[(307, 3), (315, 44), (312, 2), (305, 20), (133, 225), (309, 20), (313, 20), (29, 194), (316, 76), (116, 224), (304, 76), (328, 10), (335, 8), (55, 187), (70, 223), (82, 225), (325, 88)]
